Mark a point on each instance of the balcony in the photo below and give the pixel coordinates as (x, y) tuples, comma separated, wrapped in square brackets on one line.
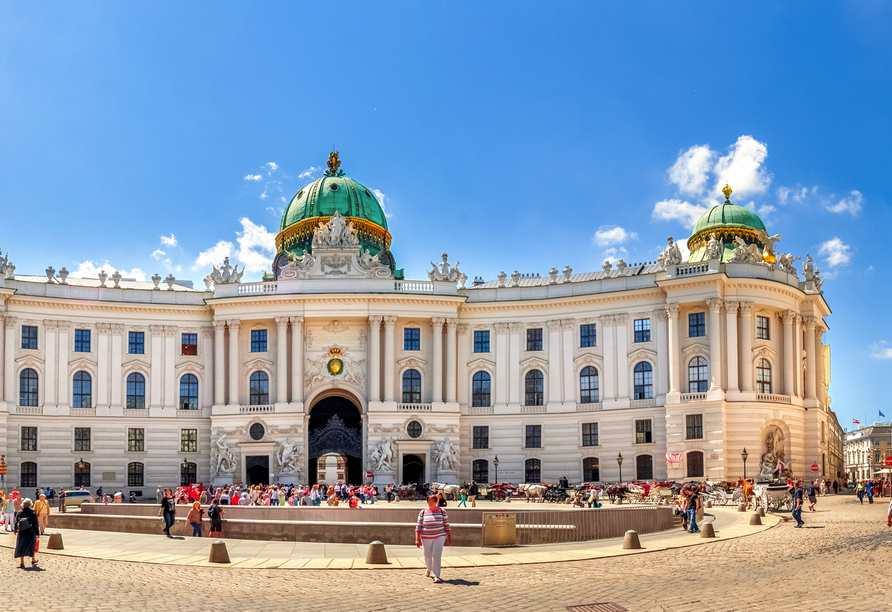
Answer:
[(255, 409), (414, 407), (29, 410), (257, 288), (693, 397), (413, 286)]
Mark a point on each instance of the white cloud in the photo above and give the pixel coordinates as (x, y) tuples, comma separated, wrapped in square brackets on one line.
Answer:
[(743, 167), (170, 241), (608, 235), (381, 197), (881, 350), (264, 195), (158, 254), (851, 203), (836, 251), (213, 256), (253, 177), (671, 210), (796, 194), (87, 269), (691, 170), (614, 254), (309, 172), (271, 167), (256, 246), (765, 210)]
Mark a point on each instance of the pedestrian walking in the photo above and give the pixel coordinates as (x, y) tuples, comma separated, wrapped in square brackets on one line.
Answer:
[(168, 510), (693, 506), (432, 531), (42, 510), (464, 498), (859, 489), (26, 534), (62, 496), (798, 494), (812, 498), (215, 513), (868, 490), (9, 513), (473, 492)]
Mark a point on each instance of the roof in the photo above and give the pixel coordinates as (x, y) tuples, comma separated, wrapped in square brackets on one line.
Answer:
[(328, 194), (728, 215), (534, 281), (94, 282)]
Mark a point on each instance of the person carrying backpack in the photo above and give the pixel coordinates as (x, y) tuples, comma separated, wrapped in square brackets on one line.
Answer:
[(215, 513)]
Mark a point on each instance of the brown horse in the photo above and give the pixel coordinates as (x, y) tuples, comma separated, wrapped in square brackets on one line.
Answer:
[(747, 487)]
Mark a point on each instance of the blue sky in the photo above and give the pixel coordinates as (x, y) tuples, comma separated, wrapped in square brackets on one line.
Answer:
[(155, 138)]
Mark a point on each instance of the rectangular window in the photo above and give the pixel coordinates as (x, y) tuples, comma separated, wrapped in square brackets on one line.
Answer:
[(29, 337), (82, 438), (189, 345), (136, 343), (643, 434), (481, 341), (696, 324), (762, 328), (29, 438), (694, 428), (188, 440), (411, 339), (28, 476), (135, 475), (534, 436), (588, 336), (481, 436), (481, 470), (642, 330), (877, 458), (82, 341), (534, 339), (589, 434), (136, 440), (258, 340)]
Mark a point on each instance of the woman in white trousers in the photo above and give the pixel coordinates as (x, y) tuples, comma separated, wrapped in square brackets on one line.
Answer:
[(432, 531)]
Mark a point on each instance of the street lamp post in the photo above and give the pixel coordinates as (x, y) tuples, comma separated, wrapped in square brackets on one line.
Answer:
[(495, 464), (743, 456), (619, 461)]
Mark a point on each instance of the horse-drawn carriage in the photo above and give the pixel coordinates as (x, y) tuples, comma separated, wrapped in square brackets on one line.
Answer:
[(499, 491)]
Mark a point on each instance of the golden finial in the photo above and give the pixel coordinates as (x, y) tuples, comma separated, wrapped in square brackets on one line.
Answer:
[(333, 163), (727, 191)]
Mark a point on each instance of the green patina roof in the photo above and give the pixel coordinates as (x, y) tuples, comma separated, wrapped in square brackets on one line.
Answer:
[(728, 215), (324, 196)]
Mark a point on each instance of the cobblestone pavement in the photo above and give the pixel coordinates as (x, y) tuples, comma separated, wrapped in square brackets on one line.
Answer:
[(841, 561)]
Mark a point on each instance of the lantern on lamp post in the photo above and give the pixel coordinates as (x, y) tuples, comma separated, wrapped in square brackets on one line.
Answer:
[(619, 462), (495, 464), (743, 456)]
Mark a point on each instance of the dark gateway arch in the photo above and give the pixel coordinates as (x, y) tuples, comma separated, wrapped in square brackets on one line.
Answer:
[(335, 427)]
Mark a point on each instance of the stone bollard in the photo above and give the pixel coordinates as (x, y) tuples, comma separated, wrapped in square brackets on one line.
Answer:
[(741, 507), (219, 554), (376, 554), (707, 504), (761, 512), (55, 542), (755, 519), (707, 531), (630, 541)]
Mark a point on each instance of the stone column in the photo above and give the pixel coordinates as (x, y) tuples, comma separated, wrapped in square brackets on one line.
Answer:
[(9, 361), (674, 369), (117, 364), (437, 347), (715, 343), (62, 398), (568, 372), (731, 349), (375, 358), (234, 367), (554, 360), (297, 359), (464, 350), (219, 363), (282, 360), (608, 390), (170, 356), (206, 388), (102, 359), (661, 383), (812, 364), (622, 356), (501, 363), (799, 384), (789, 318), (746, 346), (50, 330), (389, 364), (450, 360), (514, 382), (2, 356), (156, 360)]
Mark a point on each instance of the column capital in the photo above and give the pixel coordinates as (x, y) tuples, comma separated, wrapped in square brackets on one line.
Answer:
[(660, 314), (296, 321), (798, 319), (389, 320), (672, 309), (451, 323), (103, 328), (731, 307), (64, 325), (117, 329), (809, 321), (11, 322), (233, 324), (746, 308), (621, 319), (501, 328), (49, 325), (789, 316), (554, 325), (375, 320), (156, 330), (438, 321), (515, 326), (170, 331), (220, 326), (462, 329), (207, 331), (568, 323), (606, 319), (282, 321), (714, 303)]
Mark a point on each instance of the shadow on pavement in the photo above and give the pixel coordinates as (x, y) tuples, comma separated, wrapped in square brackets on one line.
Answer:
[(461, 582)]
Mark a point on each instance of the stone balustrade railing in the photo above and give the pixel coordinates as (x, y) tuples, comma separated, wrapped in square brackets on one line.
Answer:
[(256, 409)]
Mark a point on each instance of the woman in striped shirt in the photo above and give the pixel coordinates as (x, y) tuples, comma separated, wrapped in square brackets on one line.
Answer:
[(433, 532)]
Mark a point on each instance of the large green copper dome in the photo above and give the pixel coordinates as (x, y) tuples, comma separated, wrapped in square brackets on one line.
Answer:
[(727, 221), (324, 196), (728, 215)]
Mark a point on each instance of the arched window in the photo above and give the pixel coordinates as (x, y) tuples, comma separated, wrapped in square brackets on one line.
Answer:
[(189, 392), (135, 474), (534, 389), (532, 471), (28, 387), (763, 376), (28, 475), (591, 469), (644, 381), (259, 388), (136, 391), (411, 387), (480, 389), (83, 390), (697, 376), (588, 386), (481, 471), (644, 467), (695, 464), (82, 474), (188, 473)]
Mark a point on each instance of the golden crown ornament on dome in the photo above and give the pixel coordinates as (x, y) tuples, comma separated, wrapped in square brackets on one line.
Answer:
[(334, 165), (727, 191)]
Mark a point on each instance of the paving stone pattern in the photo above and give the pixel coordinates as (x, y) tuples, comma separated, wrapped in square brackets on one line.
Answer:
[(841, 561)]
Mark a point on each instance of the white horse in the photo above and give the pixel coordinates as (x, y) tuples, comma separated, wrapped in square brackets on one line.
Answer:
[(533, 492), (446, 489)]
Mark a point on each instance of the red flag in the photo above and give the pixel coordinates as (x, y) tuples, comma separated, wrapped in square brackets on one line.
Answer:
[(856, 421)]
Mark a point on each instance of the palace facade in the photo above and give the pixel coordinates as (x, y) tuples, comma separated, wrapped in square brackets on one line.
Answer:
[(336, 364)]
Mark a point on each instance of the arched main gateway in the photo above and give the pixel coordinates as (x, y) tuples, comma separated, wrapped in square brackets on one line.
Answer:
[(335, 426)]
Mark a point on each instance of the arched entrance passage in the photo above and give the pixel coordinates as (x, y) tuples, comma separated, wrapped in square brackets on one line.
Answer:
[(335, 427), (413, 469)]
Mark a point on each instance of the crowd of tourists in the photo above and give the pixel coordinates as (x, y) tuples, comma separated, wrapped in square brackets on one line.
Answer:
[(275, 495)]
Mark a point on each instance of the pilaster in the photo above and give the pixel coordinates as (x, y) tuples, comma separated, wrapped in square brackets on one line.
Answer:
[(437, 361), (234, 368), (746, 346), (297, 360), (450, 360), (389, 365), (567, 371), (282, 360), (375, 358), (62, 395), (219, 363), (731, 345)]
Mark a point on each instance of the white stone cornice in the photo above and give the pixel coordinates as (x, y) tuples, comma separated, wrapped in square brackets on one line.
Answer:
[(533, 363), (118, 307), (642, 354), (695, 349), (589, 359), (259, 363), (482, 364), (84, 364), (136, 365)]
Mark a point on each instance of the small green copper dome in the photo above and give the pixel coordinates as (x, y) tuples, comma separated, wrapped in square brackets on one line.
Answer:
[(728, 222), (728, 215), (324, 196)]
